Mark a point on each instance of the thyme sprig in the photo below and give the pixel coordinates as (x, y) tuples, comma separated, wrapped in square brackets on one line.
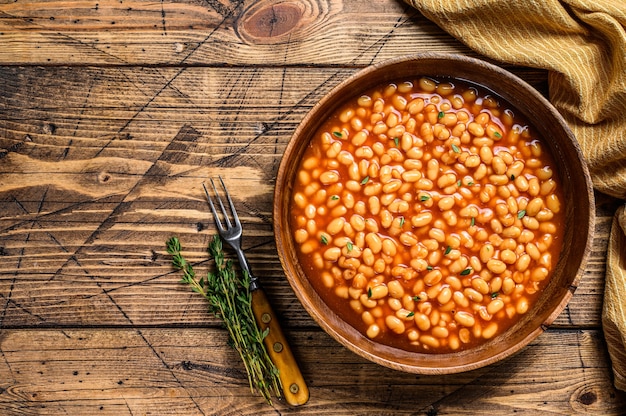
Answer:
[(229, 297)]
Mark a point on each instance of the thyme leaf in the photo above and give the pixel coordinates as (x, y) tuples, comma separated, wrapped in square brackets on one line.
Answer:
[(229, 298), (466, 271)]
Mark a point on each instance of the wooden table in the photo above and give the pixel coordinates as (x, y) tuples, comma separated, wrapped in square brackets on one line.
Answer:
[(112, 114)]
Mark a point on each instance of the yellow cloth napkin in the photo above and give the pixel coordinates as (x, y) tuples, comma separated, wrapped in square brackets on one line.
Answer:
[(582, 43)]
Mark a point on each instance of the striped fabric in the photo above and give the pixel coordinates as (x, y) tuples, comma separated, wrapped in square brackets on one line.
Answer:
[(614, 313), (582, 43)]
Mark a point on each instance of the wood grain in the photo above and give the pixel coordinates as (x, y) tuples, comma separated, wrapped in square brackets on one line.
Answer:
[(248, 32), (93, 188), (192, 371), (112, 113)]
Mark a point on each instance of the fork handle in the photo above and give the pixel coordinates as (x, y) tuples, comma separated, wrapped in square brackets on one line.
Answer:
[(295, 390)]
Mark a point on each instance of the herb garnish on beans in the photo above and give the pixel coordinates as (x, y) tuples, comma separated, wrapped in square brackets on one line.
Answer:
[(427, 214)]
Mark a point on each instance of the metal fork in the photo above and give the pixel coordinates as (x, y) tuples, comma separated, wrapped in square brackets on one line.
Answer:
[(294, 387), (231, 234)]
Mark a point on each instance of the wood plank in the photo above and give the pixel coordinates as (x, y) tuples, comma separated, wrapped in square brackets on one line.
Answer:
[(100, 166), (249, 32), (112, 113), (192, 371)]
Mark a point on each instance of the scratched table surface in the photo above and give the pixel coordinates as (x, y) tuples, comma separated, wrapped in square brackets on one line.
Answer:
[(112, 114)]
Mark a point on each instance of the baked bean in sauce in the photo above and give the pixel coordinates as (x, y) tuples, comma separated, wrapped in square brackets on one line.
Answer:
[(427, 214)]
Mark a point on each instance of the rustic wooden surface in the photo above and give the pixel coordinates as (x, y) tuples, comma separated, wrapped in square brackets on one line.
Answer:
[(112, 113)]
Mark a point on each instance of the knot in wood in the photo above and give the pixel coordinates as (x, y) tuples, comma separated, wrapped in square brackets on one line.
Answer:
[(269, 23), (588, 398), (104, 177)]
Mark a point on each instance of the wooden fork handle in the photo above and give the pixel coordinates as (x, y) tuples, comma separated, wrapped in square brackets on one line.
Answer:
[(295, 390)]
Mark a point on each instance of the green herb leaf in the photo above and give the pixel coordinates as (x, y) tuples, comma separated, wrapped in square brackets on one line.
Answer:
[(266, 332), (459, 183), (448, 250), (396, 141), (424, 198), (349, 246), (472, 222), (416, 298), (441, 114), (521, 213), (228, 295), (512, 177), (401, 222), (337, 134), (334, 197), (324, 239), (494, 295), (429, 267), (466, 271), (455, 148), (365, 180), (497, 135), (410, 314), (369, 292)]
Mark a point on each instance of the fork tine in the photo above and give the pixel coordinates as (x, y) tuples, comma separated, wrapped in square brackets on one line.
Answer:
[(219, 200), (230, 202), (213, 210)]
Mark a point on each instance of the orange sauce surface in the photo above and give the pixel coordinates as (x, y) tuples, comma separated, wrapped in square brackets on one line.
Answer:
[(427, 215)]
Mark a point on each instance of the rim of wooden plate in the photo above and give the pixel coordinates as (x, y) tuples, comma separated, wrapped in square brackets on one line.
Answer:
[(577, 188)]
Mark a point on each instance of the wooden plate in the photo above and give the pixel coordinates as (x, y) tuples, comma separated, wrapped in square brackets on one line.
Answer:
[(578, 205)]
